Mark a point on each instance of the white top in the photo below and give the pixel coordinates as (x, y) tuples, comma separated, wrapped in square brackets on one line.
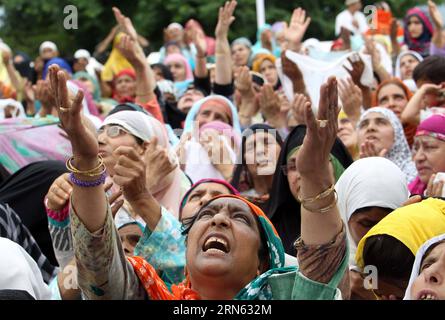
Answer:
[(345, 19)]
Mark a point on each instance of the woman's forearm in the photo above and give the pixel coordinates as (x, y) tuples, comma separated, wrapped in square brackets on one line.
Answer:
[(223, 71), (145, 84), (411, 114)]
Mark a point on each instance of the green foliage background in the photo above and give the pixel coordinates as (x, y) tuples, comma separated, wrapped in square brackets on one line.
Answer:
[(29, 22)]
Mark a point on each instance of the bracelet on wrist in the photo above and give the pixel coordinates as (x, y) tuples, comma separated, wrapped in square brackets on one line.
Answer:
[(88, 184), (96, 171), (321, 195), (323, 209)]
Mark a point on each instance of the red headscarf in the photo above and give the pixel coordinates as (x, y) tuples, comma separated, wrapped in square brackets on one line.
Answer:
[(122, 99)]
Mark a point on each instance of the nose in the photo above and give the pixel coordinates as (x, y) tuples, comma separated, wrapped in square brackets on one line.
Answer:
[(220, 220), (419, 156), (204, 199), (434, 274)]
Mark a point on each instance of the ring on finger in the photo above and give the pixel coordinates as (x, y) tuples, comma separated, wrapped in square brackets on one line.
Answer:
[(62, 109), (322, 123)]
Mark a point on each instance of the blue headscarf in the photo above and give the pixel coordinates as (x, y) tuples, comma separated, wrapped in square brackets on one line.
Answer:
[(188, 125), (276, 50), (60, 62)]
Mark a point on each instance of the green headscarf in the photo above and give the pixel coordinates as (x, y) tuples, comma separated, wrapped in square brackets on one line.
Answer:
[(85, 75)]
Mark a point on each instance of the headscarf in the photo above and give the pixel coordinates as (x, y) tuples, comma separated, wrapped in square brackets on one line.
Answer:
[(400, 153), (411, 225), (18, 271), (181, 85), (24, 192), (259, 59), (418, 262), (422, 43), (210, 42), (408, 129), (125, 72), (166, 73), (191, 115), (146, 127), (24, 67), (85, 75), (184, 200), (361, 186), (116, 61), (60, 62), (434, 127), (241, 177), (284, 209), (257, 289), (258, 45), (397, 72)]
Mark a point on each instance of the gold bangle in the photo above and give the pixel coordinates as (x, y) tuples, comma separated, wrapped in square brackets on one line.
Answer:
[(90, 173), (325, 209), (322, 195)]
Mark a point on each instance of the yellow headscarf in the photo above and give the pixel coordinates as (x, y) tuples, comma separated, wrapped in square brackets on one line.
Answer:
[(260, 59), (412, 225), (116, 61)]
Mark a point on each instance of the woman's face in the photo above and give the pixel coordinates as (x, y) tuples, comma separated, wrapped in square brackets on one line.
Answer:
[(129, 235), (269, 71), (212, 110), (159, 76), (261, 154), (428, 156), (430, 284), (407, 65), (200, 196), (415, 27), (88, 83), (361, 222), (178, 70), (375, 128), (111, 137), (293, 176), (240, 55), (171, 49), (347, 133), (223, 246), (125, 86), (393, 98), (189, 98)]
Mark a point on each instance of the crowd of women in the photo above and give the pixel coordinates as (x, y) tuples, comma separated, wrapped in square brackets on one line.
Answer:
[(290, 168)]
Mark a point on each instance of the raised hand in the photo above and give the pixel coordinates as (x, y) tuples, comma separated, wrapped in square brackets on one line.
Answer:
[(269, 103), (59, 193), (129, 173), (435, 15), (297, 29), (125, 24), (82, 137), (225, 19), (218, 152), (368, 149), (351, 97), (131, 51), (243, 81), (321, 132), (358, 66), (298, 108), (434, 189), (158, 163), (200, 43), (43, 93)]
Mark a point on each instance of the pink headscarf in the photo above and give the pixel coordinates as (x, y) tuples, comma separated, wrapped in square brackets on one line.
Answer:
[(223, 128), (434, 127), (176, 57)]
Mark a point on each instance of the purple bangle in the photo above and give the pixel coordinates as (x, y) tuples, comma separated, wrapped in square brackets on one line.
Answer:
[(88, 184)]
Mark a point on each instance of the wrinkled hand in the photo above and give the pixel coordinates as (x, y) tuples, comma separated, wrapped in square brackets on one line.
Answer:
[(297, 28), (318, 142), (43, 93), (435, 15), (368, 149), (269, 102), (225, 19), (82, 137), (243, 81), (59, 193), (158, 163), (434, 189), (131, 51), (200, 42), (298, 108), (351, 97), (129, 173), (125, 24), (358, 66)]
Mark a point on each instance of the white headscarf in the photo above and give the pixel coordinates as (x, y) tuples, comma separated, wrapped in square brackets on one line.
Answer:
[(18, 107), (18, 271), (400, 153), (369, 182), (417, 263), (415, 54)]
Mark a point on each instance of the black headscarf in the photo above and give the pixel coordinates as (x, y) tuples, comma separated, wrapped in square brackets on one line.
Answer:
[(241, 174), (25, 191), (24, 67), (166, 73), (284, 210)]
